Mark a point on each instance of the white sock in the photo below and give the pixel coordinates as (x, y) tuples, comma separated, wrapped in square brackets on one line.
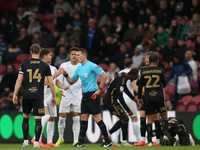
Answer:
[(76, 128), (44, 121), (124, 141), (158, 141), (192, 143), (26, 141), (143, 139), (61, 127), (50, 129), (115, 136), (136, 130)]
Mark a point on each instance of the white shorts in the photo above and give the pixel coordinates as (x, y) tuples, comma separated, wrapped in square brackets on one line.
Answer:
[(131, 105), (68, 105), (52, 110)]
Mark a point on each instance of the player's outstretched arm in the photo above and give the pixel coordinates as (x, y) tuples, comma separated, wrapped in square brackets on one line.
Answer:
[(17, 87), (61, 86), (52, 87), (69, 80)]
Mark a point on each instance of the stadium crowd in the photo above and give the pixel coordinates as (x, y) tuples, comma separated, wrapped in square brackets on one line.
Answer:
[(111, 31)]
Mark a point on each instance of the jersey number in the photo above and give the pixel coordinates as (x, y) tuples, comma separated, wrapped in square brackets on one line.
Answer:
[(36, 75), (149, 80)]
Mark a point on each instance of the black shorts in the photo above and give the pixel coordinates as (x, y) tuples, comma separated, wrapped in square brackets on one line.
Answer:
[(89, 105), (36, 104), (153, 107), (115, 109), (142, 108)]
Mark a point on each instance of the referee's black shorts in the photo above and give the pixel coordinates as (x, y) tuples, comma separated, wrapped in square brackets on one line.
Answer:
[(36, 104), (89, 105)]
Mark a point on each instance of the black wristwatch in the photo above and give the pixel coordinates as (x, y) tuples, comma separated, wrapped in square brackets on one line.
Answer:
[(66, 75), (100, 88)]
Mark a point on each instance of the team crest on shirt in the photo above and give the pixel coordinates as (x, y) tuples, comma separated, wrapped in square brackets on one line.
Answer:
[(121, 89), (86, 75)]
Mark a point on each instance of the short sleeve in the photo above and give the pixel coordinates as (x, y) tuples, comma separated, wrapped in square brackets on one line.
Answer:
[(98, 70), (75, 75), (48, 71), (21, 71)]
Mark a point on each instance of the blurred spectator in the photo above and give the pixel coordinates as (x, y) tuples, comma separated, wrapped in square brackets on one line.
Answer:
[(126, 13), (72, 43), (23, 41), (8, 81), (33, 26), (105, 31), (121, 56), (109, 26), (3, 47), (138, 36), (149, 12), (70, 33), (65, 6), (62, 57), (111, 47), (182, 8), (153, 20), (45, 6), (172, 6), (83, 8), (5, 29), (46, 37), (35, 16), (194, 27), (120, 28), (173, 28), (195, 8), (164, 14), (76, 8), (36, 38), (92, 39), (77, 23), (56, 37), (61, 43), (180, 68), (16, 29), (100, 17), (181, 47), (150, 38), (169, 51), (128, 35), (3, 8), (111, 72), (193, 65), (141, 16), (114, 10), (196, 52), (182, 29), (138, 55), (8, 105), (162, 37), (62, 19), (20, 16)]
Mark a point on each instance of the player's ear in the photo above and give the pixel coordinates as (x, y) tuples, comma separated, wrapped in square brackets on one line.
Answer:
[(30, 52)]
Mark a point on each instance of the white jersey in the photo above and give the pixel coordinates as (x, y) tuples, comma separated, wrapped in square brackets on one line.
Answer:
[(47, 91), (75, 90)]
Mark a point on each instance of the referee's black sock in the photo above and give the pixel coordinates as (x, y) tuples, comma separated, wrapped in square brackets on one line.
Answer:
[(38, 129), (83, 129), (25, 128), (165, 125), (149, 131), (142, 126), (124, 129), (103, 129), (158, 129), (115, 127)]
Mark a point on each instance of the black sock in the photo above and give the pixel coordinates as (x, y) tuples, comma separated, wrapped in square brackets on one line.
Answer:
[(103, 129), (142, 126), (25, 128), (83, 129), (125, 129), (158, 129), (115, 127), (149, 131), (165, 125), (38, 129)]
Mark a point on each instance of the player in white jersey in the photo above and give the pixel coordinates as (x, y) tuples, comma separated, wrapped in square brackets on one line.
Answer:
[(50, 112), (72, 100), (129, 64)]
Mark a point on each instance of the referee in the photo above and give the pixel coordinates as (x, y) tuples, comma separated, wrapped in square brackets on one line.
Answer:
[(31, 76), (90, 103)]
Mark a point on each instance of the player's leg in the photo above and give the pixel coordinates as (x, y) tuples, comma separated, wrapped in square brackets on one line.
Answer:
[(192, 143), (115, 132), (136, 128), (149, 129), (76, 126), (157, 128)]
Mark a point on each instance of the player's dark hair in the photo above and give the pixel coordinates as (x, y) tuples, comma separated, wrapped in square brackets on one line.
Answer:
[(128, 62), (44, 52), (133, 72), (35, 48), (73, 49), (153, 58), (83, 51)]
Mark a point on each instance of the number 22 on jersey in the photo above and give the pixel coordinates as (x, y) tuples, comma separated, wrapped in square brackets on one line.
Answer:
[(36, 75)]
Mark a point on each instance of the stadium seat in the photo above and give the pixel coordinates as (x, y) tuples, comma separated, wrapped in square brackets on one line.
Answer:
[(166, 65), (170, 90), (128, 44), (3, 98), (103, 90), (3, 70), (17, 66), (190, 45), (98, 79), (180, 106), (40, 17), (196, 99), (191, 106), (49, 17), (22, 57), (186, 99), (12, 6), (198, 106), (104, 66), (160, 57), (119, 43), (49, 25)]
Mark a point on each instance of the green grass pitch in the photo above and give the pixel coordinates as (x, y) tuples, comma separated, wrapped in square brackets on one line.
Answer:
[(9, 146)]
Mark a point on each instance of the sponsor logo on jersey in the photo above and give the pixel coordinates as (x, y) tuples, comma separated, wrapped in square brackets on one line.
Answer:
[(86, 75)]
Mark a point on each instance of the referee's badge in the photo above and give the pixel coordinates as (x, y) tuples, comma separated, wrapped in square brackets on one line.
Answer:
[(86, 75), (121, 89)]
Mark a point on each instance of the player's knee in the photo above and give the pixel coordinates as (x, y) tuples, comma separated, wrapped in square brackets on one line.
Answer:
[(123, 117), (63, 115), (97, 118), (51, 119), (134, 119)]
